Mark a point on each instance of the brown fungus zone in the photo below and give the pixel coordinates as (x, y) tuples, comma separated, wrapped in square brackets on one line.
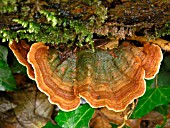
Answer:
[(60, 91), (104, 78), (119, 76), (20, 50)]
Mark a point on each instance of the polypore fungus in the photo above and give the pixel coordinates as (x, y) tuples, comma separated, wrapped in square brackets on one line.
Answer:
[(104, 78), (114, 80), (150, 55), (55, 80), (20, 50), (151, 60)]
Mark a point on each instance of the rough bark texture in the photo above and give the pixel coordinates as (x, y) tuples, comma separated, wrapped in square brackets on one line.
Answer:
[(119, 17)]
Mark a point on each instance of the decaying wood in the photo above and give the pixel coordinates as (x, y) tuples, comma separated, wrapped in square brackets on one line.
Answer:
[(123, 17)]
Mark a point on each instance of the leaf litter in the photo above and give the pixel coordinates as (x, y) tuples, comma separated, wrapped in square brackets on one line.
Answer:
[(25, 108)]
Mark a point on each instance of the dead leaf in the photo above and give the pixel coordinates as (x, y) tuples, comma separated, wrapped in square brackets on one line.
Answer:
[(104, 117), (153, 118), (164, 44), (26, 108), (99, 121)]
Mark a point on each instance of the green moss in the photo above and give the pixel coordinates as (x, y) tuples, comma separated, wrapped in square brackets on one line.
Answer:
[(163, 31), (55, 30), (8, 6), (75, 22)]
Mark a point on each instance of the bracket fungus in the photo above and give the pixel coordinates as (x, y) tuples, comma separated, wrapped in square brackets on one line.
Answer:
[(104, 78), (20, 50), (55, 81)]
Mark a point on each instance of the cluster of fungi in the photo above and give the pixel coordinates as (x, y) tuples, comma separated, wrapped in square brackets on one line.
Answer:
[(111, 78)]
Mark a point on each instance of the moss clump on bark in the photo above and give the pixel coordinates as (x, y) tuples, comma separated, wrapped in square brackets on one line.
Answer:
[(76, 22)]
